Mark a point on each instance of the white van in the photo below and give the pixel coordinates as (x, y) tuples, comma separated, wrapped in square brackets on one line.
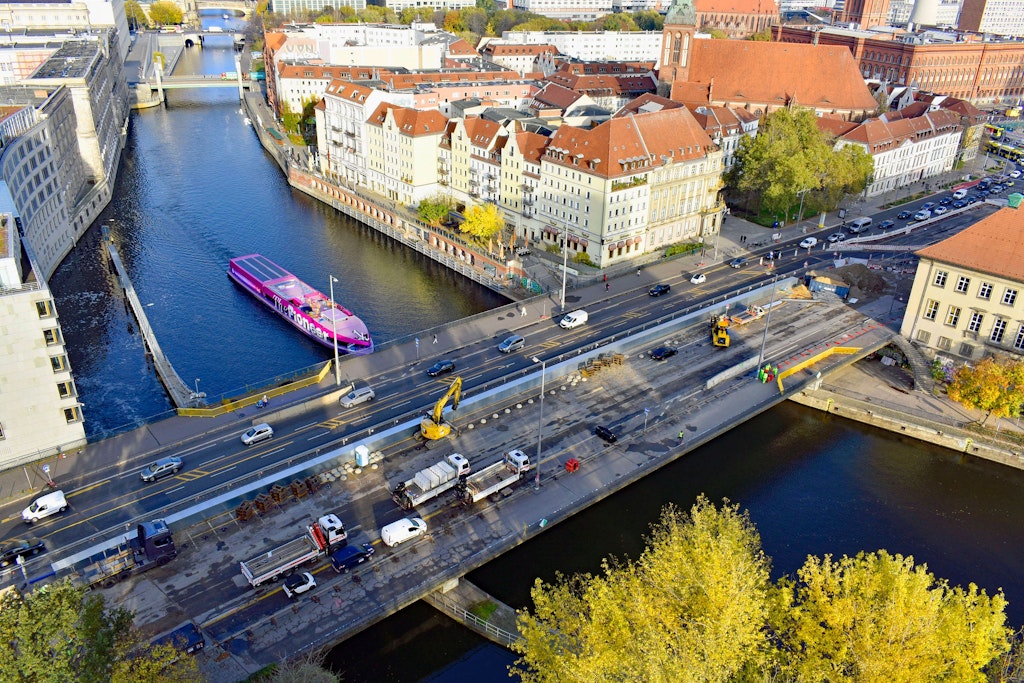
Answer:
[(860, 225), (574, 319), (959, 194), (357, 396), (44, 506), (402, 531)]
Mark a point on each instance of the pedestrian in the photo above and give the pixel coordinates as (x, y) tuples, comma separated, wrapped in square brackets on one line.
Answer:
[(604, 278), (680, 436), (435, 340), (523, 314), (607, 286), (638, 272)]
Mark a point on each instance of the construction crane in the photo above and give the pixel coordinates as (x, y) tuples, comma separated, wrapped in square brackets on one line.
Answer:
[(720, 330), (433, 427)]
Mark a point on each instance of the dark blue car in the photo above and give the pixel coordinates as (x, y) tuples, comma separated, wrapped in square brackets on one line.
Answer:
[(441, 367)]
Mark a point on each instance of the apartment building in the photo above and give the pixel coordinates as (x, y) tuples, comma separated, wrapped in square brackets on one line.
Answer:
[(520, 58), (966, 299), (737, 19), (1000, 17), (470, 161), (570, 10), (595, 46), (401, 159), (47, 19), (39, 409)]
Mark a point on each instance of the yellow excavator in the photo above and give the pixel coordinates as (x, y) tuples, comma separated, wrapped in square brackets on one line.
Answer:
[(720, 330), (434, 428)]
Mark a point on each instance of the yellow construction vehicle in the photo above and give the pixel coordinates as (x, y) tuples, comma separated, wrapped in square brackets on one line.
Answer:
[(720, 330), (433, 427)]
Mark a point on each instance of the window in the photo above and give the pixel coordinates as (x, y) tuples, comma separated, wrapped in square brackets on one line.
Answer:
[(1009, 297), (52, 336), (985, 291), (1018, 342), (44, 309), (923, 336), (998, 330), (58, 363), (931, 309), (945, 343), (975, 323), (967, 350), (962, 284), (940, 278), (72, 414), (953, 316), (66, 389)]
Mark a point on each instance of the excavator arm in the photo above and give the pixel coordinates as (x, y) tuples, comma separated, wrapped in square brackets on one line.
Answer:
[(434, 426)]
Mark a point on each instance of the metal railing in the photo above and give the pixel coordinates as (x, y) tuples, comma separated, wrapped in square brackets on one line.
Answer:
[(458, 612)]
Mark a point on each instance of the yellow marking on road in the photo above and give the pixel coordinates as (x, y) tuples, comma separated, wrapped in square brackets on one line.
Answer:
[(631, 314), (549, 344), (192, 475), (333, 423)]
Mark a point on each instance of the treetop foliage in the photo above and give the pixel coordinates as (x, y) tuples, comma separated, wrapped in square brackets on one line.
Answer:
[(995, 386), (483, 221), (165, 12), (699, 605)]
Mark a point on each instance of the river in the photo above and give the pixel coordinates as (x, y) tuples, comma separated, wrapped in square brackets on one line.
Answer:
[(195, 189)]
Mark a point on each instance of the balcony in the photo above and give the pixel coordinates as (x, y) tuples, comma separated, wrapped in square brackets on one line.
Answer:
[(635, 181), (527, 201), (350, 133)]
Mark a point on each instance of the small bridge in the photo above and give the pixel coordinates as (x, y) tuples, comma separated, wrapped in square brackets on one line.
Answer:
[(200, 81)]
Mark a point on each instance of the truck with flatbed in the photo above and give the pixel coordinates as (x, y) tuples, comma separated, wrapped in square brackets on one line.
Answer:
[(321, 538), (431, 482), (495, 477), (753, 313), (153, 546)]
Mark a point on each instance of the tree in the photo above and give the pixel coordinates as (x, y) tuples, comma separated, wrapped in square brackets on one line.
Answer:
[(649, 20), (483, 222), (718, 34), (617, 22), (764, 36), (692, 608), (995, 386), (475, 20), (434, 211), (135, 14), (164, 12), (880, 617), (59, 633)]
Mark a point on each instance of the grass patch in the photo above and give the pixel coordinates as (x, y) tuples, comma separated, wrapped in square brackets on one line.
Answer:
[(483, 609)]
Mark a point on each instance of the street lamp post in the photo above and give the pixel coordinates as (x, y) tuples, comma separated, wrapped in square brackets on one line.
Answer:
[(767, 320), (197, 386), (540, 420), (565, 259), (800, 213), (334, 335)]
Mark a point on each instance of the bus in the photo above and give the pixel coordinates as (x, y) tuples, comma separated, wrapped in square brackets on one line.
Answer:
[(994, 132), (1001, 149)]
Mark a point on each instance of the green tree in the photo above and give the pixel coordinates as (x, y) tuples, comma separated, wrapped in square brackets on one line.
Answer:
[(60, 633), (484, 222), (649, 20), (434, 211), (879, 617), (135, 14), (617, 22), (165, 12), (692, 608), (475, 20), (717, 34), (995, 386), (764, 36)]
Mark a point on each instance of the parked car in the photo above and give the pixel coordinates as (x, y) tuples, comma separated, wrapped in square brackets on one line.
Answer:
[(698, 279), (574, 319), (939, 210), (738, 262), (11, 550), (257, 433), (946, 201), (605, 434), (904, 215), (663, 352), (523, 251), (402, 531), (959, 194), (836, 237), (927, 206), (510, 344), (658, 290), (161, 468), (357, 396), (351, 556), (808, 242), (959, 204), (922, 215), (441, 367), (1015, 173), (1008, 183), (297, 584)]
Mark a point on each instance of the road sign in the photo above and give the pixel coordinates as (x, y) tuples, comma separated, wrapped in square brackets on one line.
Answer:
[(46, 469)]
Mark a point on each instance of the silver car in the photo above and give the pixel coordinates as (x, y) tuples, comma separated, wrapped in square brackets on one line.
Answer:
[(257, 433), (357, 396), (161, 468), (513, 343)]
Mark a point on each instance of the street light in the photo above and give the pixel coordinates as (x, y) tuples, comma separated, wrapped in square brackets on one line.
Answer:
[(197, 386), (565, 258), (540, 420), (334, 330), (768, 319)]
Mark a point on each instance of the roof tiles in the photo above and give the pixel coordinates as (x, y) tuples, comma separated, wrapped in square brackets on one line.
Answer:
[(992, 245)]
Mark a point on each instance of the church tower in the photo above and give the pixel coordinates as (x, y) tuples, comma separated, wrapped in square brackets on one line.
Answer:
[(676, 44)]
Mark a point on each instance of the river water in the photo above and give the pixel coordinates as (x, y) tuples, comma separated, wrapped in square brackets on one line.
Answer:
[(195, 189)]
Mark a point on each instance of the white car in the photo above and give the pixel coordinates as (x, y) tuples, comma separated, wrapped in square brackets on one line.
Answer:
[(257, 433), (922, 215), (1015, 173), (698, 279), (574, 319), (297, 584), (836, 237), (402, 531), (808, 242), (357, 396), (939, 210)]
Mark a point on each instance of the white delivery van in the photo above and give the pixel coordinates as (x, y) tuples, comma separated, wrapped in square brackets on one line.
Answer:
[(860, 225), (402, 531), (959, 194), (574, 319), (44, 506)]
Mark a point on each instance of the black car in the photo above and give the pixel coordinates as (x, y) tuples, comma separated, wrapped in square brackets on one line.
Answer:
[(946, 201), (19, 547), (904, 215), (605, 434), (738, 262), (658, 290), (663, 352), (886, 225), (441, 367), (960, 203)]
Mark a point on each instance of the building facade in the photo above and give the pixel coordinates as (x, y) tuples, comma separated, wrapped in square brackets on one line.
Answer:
[(866, 13), (40, 414), (737, 19), (401, 160), (570, 10), (967, 299), (618, 46), (1000, 17)]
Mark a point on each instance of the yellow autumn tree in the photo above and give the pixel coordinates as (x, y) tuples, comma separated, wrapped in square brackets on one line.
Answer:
[(995, 386), (483, 222)]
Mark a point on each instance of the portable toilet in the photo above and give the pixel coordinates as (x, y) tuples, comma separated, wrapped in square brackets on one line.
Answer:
[(362, 456)]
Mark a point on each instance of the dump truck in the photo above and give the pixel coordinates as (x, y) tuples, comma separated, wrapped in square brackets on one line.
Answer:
[(320, 540), (153, 546), (431, 482), (496, 477)]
